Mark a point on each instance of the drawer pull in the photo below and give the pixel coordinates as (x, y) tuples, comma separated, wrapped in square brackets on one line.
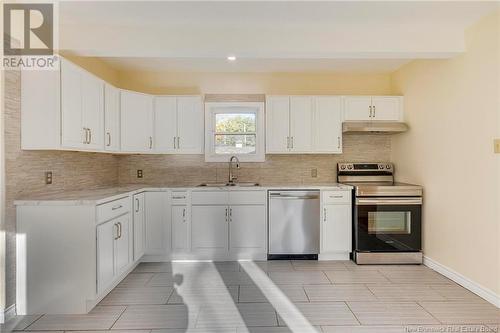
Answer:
[(116, 207), (179, 197), (336, 196)]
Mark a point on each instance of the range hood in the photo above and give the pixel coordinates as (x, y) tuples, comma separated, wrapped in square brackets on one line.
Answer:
[(383, 127)]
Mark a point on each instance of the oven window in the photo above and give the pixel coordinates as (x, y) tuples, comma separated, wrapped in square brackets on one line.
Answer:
[(386, 222)]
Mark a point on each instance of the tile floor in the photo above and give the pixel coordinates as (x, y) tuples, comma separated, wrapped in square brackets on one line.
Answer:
[(278, 296)]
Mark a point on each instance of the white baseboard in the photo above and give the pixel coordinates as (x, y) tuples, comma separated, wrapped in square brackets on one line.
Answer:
[(7, 314), (483, 292)]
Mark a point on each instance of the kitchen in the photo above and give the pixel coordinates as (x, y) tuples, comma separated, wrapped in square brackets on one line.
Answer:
[(124, 200)]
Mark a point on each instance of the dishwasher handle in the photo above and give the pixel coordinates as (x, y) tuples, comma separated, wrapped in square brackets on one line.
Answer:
[(284, 196)]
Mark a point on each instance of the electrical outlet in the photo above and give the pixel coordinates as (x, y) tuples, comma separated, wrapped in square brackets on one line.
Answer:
[(139, 173), (48, 177), (314, 173), (496, 144)]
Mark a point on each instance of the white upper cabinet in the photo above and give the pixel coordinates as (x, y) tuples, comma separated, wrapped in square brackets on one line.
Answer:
[(82, 98), (373, 108), (111, 118), (136, 124), (277, 124), (190, 125), (179, 124), (328, 124), (301, 117), (388, 108), (165, 124), (304, 124)]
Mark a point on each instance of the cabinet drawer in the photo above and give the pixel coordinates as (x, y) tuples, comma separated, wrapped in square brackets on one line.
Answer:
[(112, 209), (247, 198), (179, 197), (336, 197), (210, 198)]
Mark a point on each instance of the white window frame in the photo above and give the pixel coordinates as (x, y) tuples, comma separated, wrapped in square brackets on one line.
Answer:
[(213, 108)]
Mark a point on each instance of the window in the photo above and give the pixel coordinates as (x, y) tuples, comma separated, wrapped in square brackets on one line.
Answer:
[(234, 129)]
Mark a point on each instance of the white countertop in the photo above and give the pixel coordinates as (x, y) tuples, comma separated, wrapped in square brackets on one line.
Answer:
[(103, 195)]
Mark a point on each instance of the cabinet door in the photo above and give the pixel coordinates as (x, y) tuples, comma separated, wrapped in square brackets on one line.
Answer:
[(180, 228), (277, 124), (247, 229), (165, 123), (122, 244), (93, 110), (357, 108), (190, 129), (209, 228), (156, 209), (328, 125), (139, 226), (337, 228), (136, 122), (106, 234), (73, 133), (301, 116), (387, 108), (111, 118)]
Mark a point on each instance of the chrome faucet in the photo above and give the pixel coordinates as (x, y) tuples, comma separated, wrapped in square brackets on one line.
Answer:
[(233, 178)]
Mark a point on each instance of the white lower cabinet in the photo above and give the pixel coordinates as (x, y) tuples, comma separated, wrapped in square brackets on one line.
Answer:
[(139, 226), (210, 229), (157, 220), (113, 250), (247, 229), (180, 228), (336, 225)]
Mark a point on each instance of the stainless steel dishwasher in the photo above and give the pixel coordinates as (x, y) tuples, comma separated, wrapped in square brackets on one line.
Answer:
[(294, 222)]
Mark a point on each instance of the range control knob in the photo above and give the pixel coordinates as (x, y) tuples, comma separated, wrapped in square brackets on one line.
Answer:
[(342, 167), (380, 166), (388, 166), (349, 167)]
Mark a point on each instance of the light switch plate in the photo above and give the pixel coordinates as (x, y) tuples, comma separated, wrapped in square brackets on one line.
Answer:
[(139, 173), (496, 143)]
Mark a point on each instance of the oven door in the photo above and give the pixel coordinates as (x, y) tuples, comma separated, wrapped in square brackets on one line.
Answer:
[(388, 224)]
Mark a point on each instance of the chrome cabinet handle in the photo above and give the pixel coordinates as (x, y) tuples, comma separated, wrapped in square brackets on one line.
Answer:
[(117, 231), (374, 111), (116, 207), (336, 196), (184, 215), (324, 214), (150, 142), (179, 197), (86, 140), (230, 214), (226, 215), (370, 107), (287, 142), (90, 136), (137, 209), (120, 230), (338, 142), (178, 143), (175, 147), (109, 138)]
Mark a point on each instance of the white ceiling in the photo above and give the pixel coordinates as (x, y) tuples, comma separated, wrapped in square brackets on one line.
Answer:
[(359, 36)]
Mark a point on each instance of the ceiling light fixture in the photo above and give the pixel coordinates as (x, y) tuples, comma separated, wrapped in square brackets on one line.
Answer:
[(231, 58)]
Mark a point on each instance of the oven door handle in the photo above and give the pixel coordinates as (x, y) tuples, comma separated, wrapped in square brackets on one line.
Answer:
[(388, 201)]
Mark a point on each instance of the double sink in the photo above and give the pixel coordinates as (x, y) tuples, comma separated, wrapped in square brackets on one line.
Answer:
[(228, 184)]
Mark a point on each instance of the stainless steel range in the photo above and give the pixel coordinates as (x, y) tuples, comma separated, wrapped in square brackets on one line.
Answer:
[(387, 221)]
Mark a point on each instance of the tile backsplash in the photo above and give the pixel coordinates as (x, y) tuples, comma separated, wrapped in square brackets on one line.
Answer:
[(277, 169)]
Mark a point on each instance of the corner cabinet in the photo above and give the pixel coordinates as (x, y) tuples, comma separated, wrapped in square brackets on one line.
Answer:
[(136, 122), (303, 124), (373, 108), (82, 109)]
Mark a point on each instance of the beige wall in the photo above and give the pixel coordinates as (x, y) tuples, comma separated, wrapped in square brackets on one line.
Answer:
[(255, 83), (452, 107), (25, 172), (95, 66)]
